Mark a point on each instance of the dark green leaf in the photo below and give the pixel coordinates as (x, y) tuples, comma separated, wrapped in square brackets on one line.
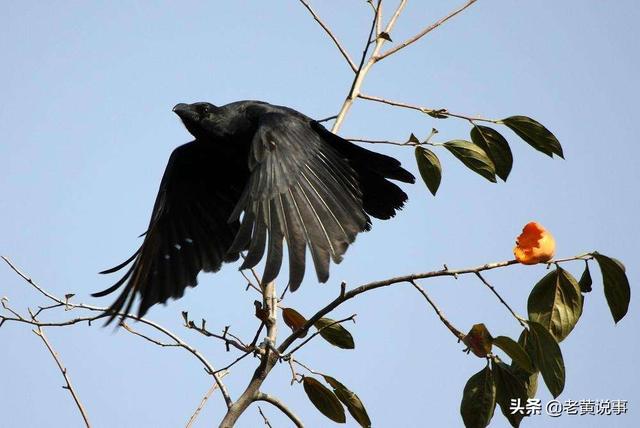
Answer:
[(429, 167), (585, 280), (556, 303), (351, 400), (478, 399), (496, 147), (293, 319), (547, 357), (616, 285), (324, 400), (509, 387), (335, 334), (474, 158), (535, 134), (530, 380), (515, 351)]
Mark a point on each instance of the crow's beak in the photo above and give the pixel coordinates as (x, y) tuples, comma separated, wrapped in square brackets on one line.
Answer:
[(186, 112)]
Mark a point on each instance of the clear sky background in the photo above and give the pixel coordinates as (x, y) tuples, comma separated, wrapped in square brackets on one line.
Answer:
[(86, 129)]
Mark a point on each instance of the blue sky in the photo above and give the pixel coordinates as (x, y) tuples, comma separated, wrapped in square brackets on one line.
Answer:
[(86, 128)]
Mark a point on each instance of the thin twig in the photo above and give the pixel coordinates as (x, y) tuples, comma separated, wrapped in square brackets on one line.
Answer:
[(327, 119), (69, 387), (425, 31), (281, 406), (104, 312), (364, 68), (195, 414), (342, 50), (226, 337), (457, 333), (492, 288), (266, 421), (234, 362), (426, 110), (145, 337)]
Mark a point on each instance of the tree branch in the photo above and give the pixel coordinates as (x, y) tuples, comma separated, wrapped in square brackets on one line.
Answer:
[(103, 312), (281, 406), (363, 69), (196, 413), (344, 296), (492, 288), (424, 32), (264, 418), (426, 110), (69, 387), (267, 361), (457, 333), (327, 30)]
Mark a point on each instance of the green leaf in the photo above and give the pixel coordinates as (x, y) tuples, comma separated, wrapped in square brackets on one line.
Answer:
[(585, 280), (335, 334), (478, 399), (509, 387), (547, 357), (474, 158), (616, 285), (515, 351), (351, 401), (293, 319), (530, 380), (556, 303), (496, 147), (324, 400), (429, 167), (534, 133)]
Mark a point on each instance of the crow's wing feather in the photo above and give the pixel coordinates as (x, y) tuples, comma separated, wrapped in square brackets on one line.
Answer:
[(189, 229), (301, 190)]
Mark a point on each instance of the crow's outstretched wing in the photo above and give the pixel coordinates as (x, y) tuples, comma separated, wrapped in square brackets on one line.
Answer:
[(301, 190), (189, 229)]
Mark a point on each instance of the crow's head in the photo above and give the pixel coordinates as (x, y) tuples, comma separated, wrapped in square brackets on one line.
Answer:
[(200, 118)]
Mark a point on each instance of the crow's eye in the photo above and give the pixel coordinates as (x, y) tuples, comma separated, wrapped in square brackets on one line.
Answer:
[(205, 110)]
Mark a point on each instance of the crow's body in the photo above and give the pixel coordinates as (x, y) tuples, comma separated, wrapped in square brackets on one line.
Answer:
[(256, 175)]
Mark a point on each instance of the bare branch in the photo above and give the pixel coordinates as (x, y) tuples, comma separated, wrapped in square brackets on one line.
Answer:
[(426, 110), (69, 387), (103, 312), (145, 337), (195, 414), (327, 119), (395, 143), (267, 361), (425, 31), (342, 50), (364, 68), (457, 333), (266, 421), (234, 362), (226, 337), (281, 406), (492, 288)]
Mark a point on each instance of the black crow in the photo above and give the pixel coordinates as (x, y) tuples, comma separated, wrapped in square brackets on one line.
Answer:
[(255, 175)]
